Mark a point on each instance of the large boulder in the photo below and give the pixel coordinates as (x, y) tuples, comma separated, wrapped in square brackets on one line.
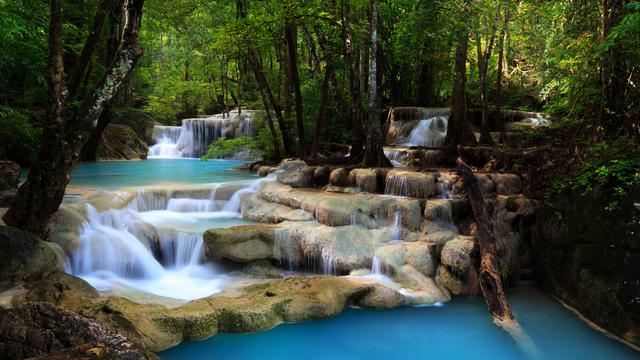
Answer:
[(9, 175), (419, 255), (257, 209), (42, 329), (244, 243), (142, 123), (298, 176), (419, 185), (457, 272), (24, 256), (121, 142), (64, 227)]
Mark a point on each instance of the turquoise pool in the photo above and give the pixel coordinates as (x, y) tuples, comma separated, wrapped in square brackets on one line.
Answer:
[(119, 174), (461, 329)]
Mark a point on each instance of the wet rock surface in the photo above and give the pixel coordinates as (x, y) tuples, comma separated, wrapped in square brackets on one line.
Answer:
[(9, 175), (44, 330)]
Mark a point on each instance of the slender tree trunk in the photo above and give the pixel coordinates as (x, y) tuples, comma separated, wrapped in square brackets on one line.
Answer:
[(485, 127), (373, 153), (357, 134), (292, 45), (41, 194), (313, 53), (501, 44), (85, 56), (322, 112), (613, 74), (459, 132)]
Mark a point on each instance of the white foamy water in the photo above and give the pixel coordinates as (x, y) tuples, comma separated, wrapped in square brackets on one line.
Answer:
[(429, 132), (192, 139), (155, 244)]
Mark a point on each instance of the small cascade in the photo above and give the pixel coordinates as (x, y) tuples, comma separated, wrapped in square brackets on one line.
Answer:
[(191, 205), (192, 139), (396, 229), (154, 244), (396, 156), (445, 189), (235, 202), (282, 249), (396, 185), (377, 268), (429, 132), (329, 262)]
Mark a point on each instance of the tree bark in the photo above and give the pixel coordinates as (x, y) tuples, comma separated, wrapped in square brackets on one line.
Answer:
[(355, 124), (613, 73), (459, 131), (85, 56), (483, 64), (499, 117), (292, 45), (40, 196), (313, 53), (373, 153), (489, 275)]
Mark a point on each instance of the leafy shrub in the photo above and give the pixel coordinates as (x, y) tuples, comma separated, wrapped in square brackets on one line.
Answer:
[(224, 148), (612, 168), (18, 137)]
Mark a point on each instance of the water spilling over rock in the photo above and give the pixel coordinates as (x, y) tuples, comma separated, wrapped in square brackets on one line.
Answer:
[(192, 139)]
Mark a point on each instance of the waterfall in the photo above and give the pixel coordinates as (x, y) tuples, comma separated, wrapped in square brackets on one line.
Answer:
[(396, 156), (429, 132), (396, 229), (396, 185), (155, 244), (376, 266), (192, 139)]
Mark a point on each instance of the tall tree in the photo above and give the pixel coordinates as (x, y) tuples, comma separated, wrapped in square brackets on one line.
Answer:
[(459, 131), (484, 55), (373, 153), (291, 34), (498, 101), (64, 132)]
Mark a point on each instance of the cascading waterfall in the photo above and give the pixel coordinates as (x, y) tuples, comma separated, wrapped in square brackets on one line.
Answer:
[(396, 229), (155, 244), (376, 266), (396, 156), (429, 132), (396, 185), (192, 139)]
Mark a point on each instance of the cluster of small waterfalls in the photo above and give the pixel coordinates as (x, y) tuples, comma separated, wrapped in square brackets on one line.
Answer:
[(192, 139)]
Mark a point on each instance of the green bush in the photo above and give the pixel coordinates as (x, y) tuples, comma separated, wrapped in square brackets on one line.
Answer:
[(18, 137), (224, 148), (611, 168)]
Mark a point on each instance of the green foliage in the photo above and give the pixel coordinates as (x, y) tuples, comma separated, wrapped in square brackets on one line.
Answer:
[(225, 148), (19, 136), (611, 171)]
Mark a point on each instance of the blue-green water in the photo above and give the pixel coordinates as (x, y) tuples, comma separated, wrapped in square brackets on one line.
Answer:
[(119, 174), (461, 329)]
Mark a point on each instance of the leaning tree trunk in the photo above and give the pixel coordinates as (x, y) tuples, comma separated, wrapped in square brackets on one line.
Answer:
[(459, 131), (373, 153), (489, 276), (62, 139)]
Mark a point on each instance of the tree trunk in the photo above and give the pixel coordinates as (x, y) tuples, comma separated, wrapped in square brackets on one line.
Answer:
[(485, 128), (355, 124), (499, 117), (373, 153), (459, 132), (292, 45), (313, 53), (613, 74), (85, 56), (489, 275), (322, 112), (40, 196)]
